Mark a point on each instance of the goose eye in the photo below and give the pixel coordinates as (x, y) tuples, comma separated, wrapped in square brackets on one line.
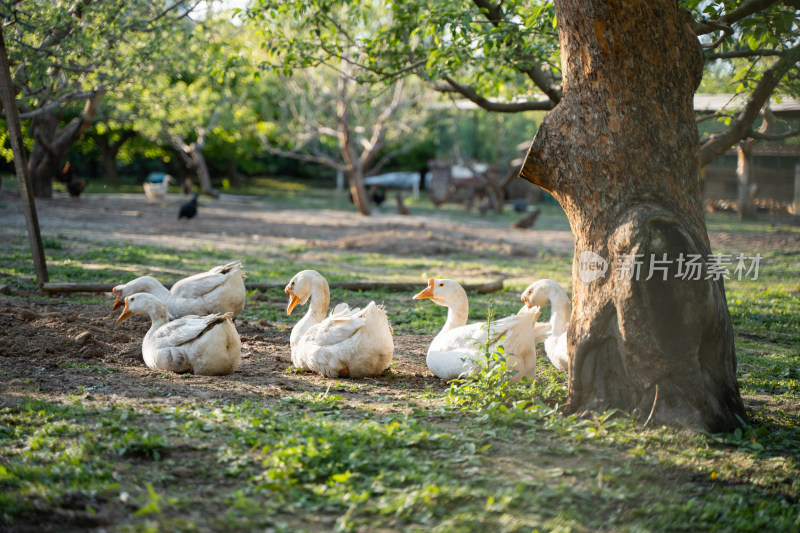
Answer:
[(441, 284)]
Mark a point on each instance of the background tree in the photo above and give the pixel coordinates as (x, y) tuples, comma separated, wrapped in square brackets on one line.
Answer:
[(77, 50), (325, 116), (504, 56)]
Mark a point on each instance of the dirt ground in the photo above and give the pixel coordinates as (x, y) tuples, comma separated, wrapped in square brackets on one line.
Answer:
[(63, 348), (41, 340), (234, 223)]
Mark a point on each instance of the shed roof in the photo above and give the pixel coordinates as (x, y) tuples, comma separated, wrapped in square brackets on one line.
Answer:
[(710, 103)]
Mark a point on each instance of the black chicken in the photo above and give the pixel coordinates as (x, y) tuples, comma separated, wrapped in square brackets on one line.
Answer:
[(76, 187), (67, 176), (189, 209)]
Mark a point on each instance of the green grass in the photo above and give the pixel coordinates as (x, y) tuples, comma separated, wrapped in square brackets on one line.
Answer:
[(341, 457)]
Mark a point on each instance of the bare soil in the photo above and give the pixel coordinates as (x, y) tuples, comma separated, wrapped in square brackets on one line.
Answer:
[(61, 348)]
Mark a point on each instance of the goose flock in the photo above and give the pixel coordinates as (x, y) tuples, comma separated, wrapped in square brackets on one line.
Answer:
[(193, 327)]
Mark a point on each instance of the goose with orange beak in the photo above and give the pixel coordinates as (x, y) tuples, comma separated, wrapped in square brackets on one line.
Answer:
[(456, 349), (219, 290), (349, 343), (206, 345)]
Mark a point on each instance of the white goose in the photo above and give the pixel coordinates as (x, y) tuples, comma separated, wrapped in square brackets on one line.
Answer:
[(219, 290), (349, 343), (156, 191), (555, 344), (205, 345), (455, 349)]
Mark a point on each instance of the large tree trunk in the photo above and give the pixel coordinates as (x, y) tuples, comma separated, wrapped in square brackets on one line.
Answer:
[(620, 153), (200, 165), (45, 156), (192, 155), (746, 189), (51, 144), (108, 152), (358, 191)]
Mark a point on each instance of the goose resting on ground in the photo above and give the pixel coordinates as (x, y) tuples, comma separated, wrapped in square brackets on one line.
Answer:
[(205, 345), (455, 349), (555, 343), (349, 343), (220, 290)]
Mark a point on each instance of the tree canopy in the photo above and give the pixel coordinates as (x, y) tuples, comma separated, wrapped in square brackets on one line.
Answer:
[(504, 56)]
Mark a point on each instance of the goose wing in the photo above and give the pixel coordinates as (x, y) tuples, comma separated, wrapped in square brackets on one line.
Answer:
[(187, 329), (471, 337), (201, 284), (342, 324)]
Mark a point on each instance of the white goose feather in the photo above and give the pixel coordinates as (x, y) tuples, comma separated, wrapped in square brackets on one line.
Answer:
[(205, 345), (219, 290), (456, 349), (349, 343)]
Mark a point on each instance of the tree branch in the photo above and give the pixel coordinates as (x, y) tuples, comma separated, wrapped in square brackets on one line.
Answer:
[(500, 107), (496, 16), (772, 136), (743, 53), (711, 116), (718, 143), (747, 8), (388, 157), (58, 101), (726, 30), (146, 26), (320, 159)]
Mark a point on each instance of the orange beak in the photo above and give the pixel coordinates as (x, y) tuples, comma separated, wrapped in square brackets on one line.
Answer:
[(117, 301), (293, 301), (125, 312), (527, 304), (427, 292)]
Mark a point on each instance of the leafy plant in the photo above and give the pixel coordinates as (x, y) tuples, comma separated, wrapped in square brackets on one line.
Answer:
[(488, 386)]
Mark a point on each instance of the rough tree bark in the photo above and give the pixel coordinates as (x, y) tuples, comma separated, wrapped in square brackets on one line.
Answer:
[(621, 154), (51, 144)]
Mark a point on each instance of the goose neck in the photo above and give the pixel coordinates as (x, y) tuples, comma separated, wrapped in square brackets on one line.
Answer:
[(457, 314), (560, 313)]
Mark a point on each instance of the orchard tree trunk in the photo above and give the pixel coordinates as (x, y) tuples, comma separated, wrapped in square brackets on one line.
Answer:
[(51, 144), (108, 151), (620, 154), (236, 178), (45, 157), (192, 155), (747, 190), (358, 192)]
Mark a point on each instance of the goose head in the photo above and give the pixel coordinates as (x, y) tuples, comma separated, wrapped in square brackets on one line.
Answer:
[(142, 303), (299, 288), (540, 292), (142, 284), (446, 292)]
